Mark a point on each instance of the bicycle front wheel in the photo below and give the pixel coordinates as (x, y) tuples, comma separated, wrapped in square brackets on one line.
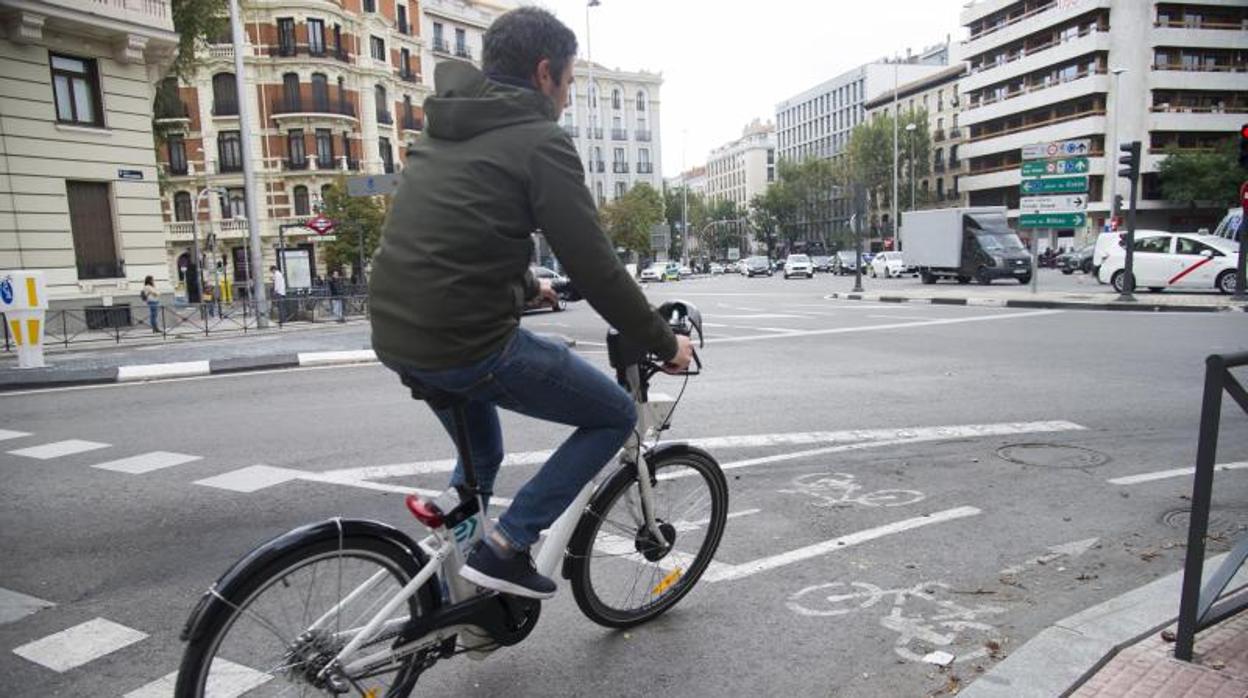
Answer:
[(620, 574), (297, 613)]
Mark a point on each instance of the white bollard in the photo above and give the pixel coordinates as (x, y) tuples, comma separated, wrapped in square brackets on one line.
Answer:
[(23, 300)]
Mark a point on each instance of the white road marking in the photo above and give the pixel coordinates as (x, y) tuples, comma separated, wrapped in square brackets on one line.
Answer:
[(16, 605), (1176, 472), (143, 372), (734, 572), (147, 462), (898, 317), (748, 327), (1073, 549), (252, 478), (79, 644), (761, 316), (227, 680), (322, 358), (56, 449), (891, 326), (5, 434)]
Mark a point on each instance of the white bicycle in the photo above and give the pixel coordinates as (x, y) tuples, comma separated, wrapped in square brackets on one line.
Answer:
[(357, 607)]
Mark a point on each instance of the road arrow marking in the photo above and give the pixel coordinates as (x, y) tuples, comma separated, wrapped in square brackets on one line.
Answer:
[(1072, 549)]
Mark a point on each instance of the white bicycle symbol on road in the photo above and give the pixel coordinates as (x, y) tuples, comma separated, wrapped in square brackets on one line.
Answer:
[(918, 634), (840, 490)]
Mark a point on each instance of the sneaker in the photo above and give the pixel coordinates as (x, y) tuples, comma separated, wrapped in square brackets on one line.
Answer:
[(510, 576)]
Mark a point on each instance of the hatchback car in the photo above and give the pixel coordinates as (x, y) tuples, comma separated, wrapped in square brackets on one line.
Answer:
[(844, 262), (1174, 260), (757, 266), (889, 264), (798, 265), (653, 272), (821, 263)]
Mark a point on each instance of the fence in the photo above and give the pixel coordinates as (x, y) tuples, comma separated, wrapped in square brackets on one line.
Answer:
[(121, 323)]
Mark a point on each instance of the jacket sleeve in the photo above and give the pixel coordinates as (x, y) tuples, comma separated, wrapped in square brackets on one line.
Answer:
[(564, 210), (531, 285)]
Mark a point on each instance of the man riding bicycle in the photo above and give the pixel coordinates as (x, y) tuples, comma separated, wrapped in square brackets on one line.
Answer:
[(451, 279)]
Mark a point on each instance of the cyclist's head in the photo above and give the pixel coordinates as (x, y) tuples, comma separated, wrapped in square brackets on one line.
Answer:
[(531, 45)]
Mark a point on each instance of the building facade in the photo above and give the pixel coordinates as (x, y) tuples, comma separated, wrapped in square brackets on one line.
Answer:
[(1173, 76), (742, 169), (694, 178), (818, 122), (79, 190)]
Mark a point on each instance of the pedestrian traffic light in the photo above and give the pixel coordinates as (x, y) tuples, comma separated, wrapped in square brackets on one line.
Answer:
[(1130, 161), (1243, 146), (1117, 204)]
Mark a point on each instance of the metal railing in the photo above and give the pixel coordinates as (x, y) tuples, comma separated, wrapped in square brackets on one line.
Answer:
[(385, 117), (1198, 609), (296, 105), (440, 45), (645, 168), (619, 134)]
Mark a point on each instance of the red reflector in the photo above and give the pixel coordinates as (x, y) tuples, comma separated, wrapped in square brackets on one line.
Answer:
[(425, 512)]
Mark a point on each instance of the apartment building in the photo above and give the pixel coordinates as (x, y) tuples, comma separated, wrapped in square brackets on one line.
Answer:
[(818, 121), (79, 192), (615, 124), (739, 170), (694, 178), (453, 28), (1172, 75)]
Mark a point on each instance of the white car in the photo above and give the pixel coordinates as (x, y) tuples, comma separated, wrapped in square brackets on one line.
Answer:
[(798, 265), (652, 273), (1174, 260), (716, 268), (889, 264), (685, 270)]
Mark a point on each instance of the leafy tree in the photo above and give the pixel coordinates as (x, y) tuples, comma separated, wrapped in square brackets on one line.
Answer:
[(1202, 176), (871, 163), (195, 21), (629, 219), (776, 209), (354, 215), (674, 201)]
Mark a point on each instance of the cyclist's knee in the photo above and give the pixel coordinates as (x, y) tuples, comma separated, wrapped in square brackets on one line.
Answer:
[(625, 418)]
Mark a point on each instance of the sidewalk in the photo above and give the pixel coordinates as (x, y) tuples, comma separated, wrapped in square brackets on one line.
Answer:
[(996, 295)]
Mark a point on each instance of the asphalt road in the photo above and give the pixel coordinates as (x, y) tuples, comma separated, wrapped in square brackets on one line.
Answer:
[(1003, 429)]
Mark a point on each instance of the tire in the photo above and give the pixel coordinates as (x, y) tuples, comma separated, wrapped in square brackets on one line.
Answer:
[(1067, 271), (886, 274), (364, 554), (983, 278), (1117, 280), (1155, 289), (964, 280), (811, 275), (1226, 282), (593, 573), (1024, 280), (927, 278)]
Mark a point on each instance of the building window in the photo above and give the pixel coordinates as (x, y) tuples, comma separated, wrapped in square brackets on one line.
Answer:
[(387, 156), (177, 154), (615, 99), (76, 88), (370, 5), (294, 146), (290, 92), (224, 95), (405, 63), (598, 191), (320, 92), (182, 206), (641, 101), (286, 36), (377, 48), (346, 148), (233, 203), (381, 101), (325, 190), (301, 201), (316, 37), (229, 151), (339, 47), (324, 148), (403, 19), (461, 42), (91, 224), (619, 190), (439, 42)]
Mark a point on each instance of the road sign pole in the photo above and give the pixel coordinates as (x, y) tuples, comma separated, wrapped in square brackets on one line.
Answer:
[(1128, 283), (1035, 263)]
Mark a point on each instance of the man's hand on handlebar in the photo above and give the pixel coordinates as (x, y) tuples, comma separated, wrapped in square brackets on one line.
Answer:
[(684, 355), (546, 292)]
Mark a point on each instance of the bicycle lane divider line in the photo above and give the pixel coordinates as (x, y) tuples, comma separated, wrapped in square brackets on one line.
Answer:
[(892, 326), (741, 571), (1175, 472), (14, 605), (79, 645), (228, 681)]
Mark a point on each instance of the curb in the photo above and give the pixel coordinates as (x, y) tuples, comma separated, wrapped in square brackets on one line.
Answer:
[(1042, 304)]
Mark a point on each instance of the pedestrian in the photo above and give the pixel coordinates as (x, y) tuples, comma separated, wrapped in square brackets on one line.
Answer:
[(279, 293), (227, 286), (335, 295), (151, 296)]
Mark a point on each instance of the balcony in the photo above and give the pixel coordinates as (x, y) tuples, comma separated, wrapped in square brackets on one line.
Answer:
[(388, 167), (645, 168), (1024, 25), (440, 45), (1215, 35), (955, 133), (385, 117), (221, 52), (413, 123), (1037, 96), (939, 166), (172, 109), (1036, 58), (148, 14), (619, 134), (284, 107), (463, 52), (573, 131), (403, 27), (408, 76), (295, 165), (179, 231), (181, 170), (938, 135), (619, 167), (225, 108), (597, 166), (593, 133), (1079, 125), (461, 12), (340, 53), (643, 136), (1194, 119), (229, 167)]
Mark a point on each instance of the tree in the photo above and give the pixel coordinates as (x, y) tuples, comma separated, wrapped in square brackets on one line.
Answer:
[(195, 21), (776, 209), (354, 214), (871, 161), (674, 201), (1202, 176), (629, 219)]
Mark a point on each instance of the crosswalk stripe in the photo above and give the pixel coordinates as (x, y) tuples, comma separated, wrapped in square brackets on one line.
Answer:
[(226, 680), (251, 478), (79, 645), (56, 449), (6, 434), (147, 462), (16, 605)]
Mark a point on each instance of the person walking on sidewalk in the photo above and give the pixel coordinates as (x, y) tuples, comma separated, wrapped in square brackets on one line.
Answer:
[(452, 276), (151, 296), (335, 295), (279, 293)]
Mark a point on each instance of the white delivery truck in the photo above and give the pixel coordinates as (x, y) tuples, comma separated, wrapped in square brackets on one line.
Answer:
[(964, 244)]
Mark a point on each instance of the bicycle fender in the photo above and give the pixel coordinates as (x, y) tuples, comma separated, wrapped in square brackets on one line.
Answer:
[(226, 590)]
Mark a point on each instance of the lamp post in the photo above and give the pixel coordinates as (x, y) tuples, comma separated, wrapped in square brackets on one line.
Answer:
[(195, 252), (591, 97), (910, 129), (896, 118), (1113, 181)]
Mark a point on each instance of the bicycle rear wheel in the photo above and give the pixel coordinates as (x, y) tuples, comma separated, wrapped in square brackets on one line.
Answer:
[(620, 574), (263, 645)]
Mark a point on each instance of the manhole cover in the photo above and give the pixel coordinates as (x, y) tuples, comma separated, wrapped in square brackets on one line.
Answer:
[(1220, 520), (1052, 455)]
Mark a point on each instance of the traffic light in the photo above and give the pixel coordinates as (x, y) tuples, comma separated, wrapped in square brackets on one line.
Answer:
[(1117, 204), (1130, 161), (1243, 146)]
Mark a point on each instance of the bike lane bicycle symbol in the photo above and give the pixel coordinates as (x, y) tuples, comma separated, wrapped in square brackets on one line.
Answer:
[(840, 490)]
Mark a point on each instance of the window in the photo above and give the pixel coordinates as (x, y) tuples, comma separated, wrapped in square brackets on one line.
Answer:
[(320, 92), (316, 37), (619, 155), (402, 19), (233, 204), (91, 224), (286, 36), (1159, 244), (598, 191), (409, 118), (229, 152), (1192, 247), (593, 96), (324, 148), (370, 5), (461, 41), (438, 42), (224, 95), (387, 156), (405, 63), (346, 147), (182, 206), (301, 201), (615, 99), (295, 149), (641, 101), (76, 88), (290, 92), (342, 96), (379, 97), (377, 48), (325, 190), (338, 45), (619, 190), (177, 154)]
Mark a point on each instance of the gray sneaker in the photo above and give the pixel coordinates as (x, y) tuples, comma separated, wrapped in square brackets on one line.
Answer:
[(515, 575)]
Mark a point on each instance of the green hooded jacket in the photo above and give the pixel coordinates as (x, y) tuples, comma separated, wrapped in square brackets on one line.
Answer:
[(451, 277)]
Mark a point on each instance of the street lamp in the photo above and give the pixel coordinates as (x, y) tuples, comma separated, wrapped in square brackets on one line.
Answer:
[(910, 128), (196, 257), (591, 97)]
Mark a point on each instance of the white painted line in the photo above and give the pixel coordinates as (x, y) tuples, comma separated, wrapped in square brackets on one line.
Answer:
[(147, 462), (761, 316), (79, 644), (734, 572), (323, 358), (898, 317), (143, 372), (16, 605), (892, 326), (986, 302), (5, 434), (382, 487), (1176, 472), (226, 680), (252, 478), (56, 449)]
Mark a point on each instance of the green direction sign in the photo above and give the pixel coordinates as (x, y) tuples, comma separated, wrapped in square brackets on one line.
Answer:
[(1038, 168), (1052, 220), (1055, 185)]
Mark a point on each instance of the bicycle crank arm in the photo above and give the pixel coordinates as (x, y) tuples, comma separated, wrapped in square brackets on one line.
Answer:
[(505, 618)]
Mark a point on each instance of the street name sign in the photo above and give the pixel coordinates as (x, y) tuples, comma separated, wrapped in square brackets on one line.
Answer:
[(1064, 166), (373, 185), (1052, 220), (1057, 149), (1052, 204), (1055, 185)]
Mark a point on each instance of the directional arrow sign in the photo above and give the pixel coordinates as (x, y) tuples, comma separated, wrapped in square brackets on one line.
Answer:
[(1055, 185), (1053, 204), (1065, 166), (1057, 149), (1052, 220)]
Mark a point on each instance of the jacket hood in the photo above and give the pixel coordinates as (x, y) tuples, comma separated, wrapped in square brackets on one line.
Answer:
[(468, 103)]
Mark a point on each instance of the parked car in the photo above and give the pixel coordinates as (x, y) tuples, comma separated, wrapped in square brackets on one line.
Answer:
[(845, 262), (757, 266), (684, 270), (1077, 260), (716, 268), (653, 272), (1174, 260), (821, 263), (671, 271), (890, 264), (798, 265)]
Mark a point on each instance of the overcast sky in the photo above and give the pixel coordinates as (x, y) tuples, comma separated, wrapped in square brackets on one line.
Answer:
[(725, 62)]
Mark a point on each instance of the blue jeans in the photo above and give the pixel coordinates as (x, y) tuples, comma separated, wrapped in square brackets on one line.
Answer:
[(153, 308), (542, 379)]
